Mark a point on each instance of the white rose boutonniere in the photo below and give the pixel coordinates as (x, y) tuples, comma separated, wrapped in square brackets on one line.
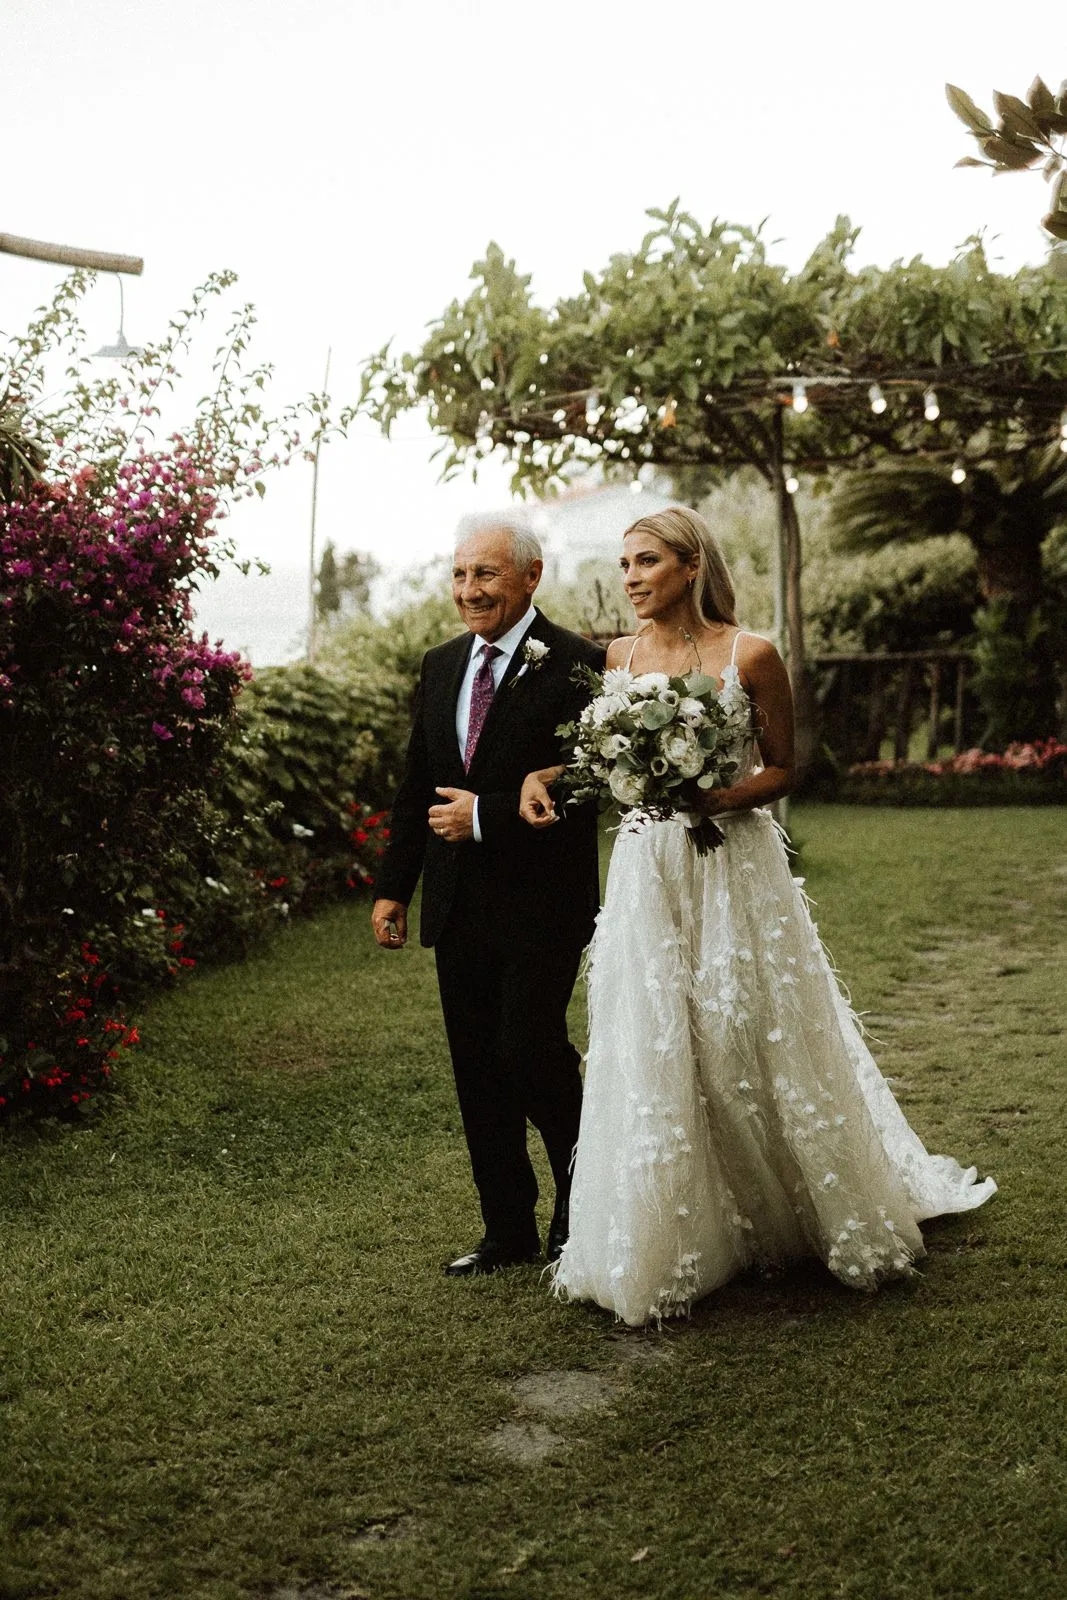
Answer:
[(534, 655)]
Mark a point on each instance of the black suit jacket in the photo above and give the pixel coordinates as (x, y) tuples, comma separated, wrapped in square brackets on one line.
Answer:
[(543, 881)]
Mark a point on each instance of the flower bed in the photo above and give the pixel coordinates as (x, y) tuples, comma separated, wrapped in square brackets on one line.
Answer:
[(1023, 774)]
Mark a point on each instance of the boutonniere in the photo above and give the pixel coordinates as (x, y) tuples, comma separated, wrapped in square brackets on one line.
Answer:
[(534, 655)]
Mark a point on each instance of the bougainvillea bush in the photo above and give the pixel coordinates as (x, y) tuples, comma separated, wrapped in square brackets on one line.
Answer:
[(113, 721), (1022, 774), (119, 842)]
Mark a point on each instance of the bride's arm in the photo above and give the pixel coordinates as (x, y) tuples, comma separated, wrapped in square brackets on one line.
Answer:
[(767, 682), (536, 805)]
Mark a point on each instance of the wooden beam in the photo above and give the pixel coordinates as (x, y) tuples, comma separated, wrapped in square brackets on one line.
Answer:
[(67, 255)]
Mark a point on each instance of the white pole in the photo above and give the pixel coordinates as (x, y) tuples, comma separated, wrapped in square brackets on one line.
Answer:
[(314, 514), (779, 572)]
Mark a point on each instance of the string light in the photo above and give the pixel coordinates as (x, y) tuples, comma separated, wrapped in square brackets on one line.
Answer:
[(1063, 424), (792, 485), (800, 399), (593, 409), (877, 399), (931, 409), (959, 472), (637, 486)]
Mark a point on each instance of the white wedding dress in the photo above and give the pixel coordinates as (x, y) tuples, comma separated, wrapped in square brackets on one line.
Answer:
[(733, 1115)]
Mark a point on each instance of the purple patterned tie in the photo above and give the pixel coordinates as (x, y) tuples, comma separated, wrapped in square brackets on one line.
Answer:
[(482, 692)]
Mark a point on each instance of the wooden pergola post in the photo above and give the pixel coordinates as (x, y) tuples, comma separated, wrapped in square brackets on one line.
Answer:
[(66, 255)]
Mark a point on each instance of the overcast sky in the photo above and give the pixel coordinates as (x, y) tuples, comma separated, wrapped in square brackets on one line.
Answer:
[(350, 159)]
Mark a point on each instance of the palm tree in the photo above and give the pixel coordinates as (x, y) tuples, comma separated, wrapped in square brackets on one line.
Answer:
[(1007, 511), (21, 457)]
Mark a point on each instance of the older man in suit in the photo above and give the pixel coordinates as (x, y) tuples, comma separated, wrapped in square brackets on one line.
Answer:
[(507, 908)]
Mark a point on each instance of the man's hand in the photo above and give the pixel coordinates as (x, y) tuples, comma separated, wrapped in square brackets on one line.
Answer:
[(454, 821), (389, 919)]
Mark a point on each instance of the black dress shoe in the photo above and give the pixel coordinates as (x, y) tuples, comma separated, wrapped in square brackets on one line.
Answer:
[(492, 1255), (559, 1227)]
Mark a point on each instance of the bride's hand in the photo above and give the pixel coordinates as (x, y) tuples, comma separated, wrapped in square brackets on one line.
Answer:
[(713, 802), (536, 805)]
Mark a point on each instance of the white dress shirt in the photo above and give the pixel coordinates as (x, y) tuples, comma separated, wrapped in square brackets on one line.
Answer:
[(507, 645)]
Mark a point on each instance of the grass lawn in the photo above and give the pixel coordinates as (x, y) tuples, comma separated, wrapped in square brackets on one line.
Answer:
[(231, 1366)]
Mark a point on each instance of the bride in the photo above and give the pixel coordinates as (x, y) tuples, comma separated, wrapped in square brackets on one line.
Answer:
[(733, 1116)]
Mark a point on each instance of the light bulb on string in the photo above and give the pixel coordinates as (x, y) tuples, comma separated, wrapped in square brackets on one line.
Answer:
[(800, 399), (877, 399), (1063, 425), (931, 409), (636, 486), (959, 472), (792, 484), (592, 409)]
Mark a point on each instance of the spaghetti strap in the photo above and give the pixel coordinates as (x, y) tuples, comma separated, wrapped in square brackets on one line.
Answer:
[(633, 647), (733, 653)]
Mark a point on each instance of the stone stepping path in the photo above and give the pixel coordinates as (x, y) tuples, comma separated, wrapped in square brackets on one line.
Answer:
[(544, 1398)]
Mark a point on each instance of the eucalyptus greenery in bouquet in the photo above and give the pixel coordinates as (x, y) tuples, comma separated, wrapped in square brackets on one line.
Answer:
[(653, 745)]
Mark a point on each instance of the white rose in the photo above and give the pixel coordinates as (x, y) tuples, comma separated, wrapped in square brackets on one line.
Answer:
[(628, 788), (681, 749), (691, 711), (614, 745)]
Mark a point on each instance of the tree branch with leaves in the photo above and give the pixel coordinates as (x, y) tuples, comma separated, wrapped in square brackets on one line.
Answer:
[(1026, 134)]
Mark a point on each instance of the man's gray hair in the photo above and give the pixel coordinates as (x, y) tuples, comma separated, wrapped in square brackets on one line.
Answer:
[(525, 545)]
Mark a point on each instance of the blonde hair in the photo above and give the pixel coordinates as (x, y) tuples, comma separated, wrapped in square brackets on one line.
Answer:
[(687, 534)]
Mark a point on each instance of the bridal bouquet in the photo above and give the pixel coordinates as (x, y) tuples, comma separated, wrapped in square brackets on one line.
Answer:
[(653, 743)]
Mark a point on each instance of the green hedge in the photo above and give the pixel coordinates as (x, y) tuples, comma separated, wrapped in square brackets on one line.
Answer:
[(299, 812)]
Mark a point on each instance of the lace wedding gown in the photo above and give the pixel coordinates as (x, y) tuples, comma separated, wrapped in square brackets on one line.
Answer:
[(733, 1115)]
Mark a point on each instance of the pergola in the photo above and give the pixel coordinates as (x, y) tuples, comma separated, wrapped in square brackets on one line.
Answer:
[(862, 416)]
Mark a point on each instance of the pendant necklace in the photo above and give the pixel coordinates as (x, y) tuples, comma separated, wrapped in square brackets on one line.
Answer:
[(691, 642)]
